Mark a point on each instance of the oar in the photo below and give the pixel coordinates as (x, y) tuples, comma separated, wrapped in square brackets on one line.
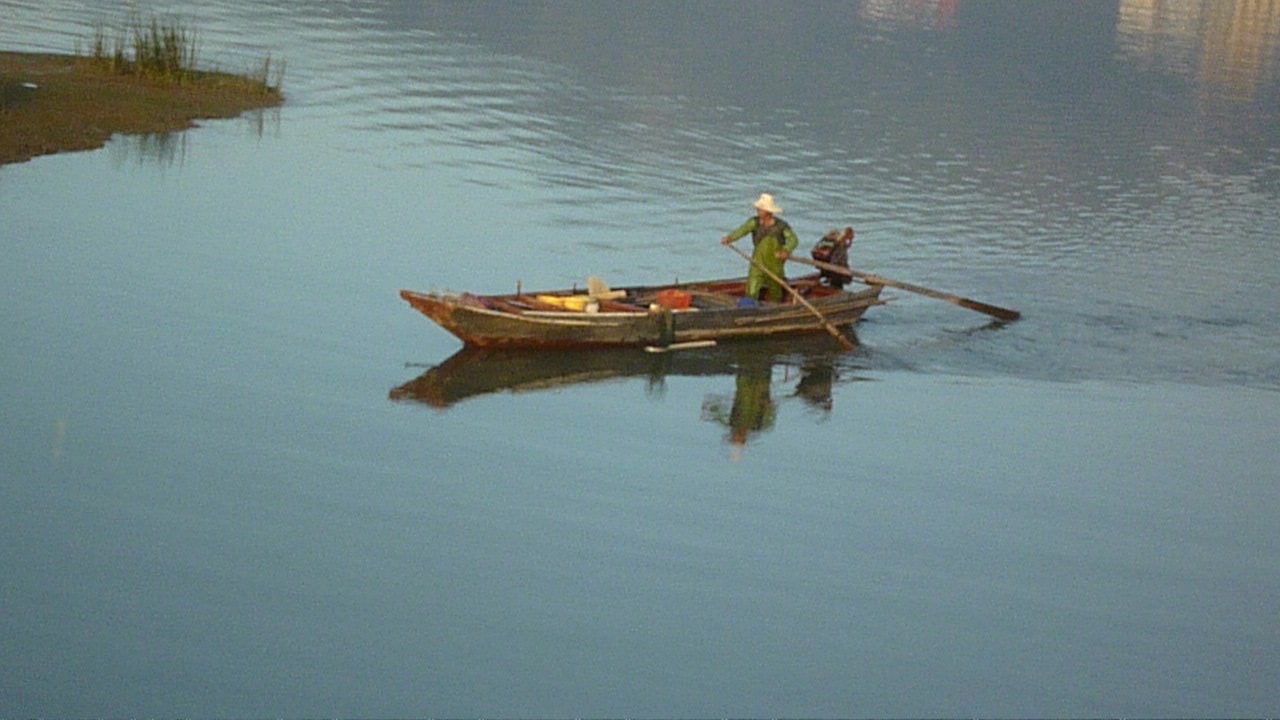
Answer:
[(994, 311), (844, 341)]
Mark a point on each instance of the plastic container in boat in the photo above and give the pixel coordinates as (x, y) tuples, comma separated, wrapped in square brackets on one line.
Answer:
[(675, 299)]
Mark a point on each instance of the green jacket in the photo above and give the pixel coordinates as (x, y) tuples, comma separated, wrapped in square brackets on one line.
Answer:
[(767, 244)]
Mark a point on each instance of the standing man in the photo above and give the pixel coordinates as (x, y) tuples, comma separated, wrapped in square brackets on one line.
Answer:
[(774, 241)]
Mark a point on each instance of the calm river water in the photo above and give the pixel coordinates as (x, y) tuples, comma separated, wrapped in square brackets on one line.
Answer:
[(240, 477)]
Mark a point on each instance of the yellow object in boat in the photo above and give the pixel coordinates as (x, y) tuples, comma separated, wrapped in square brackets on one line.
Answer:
[(575, 303)]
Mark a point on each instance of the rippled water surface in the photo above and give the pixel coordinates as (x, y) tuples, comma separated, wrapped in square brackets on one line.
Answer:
[(238, 476)]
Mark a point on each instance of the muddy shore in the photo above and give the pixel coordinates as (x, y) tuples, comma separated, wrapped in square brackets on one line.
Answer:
[(64, 103)]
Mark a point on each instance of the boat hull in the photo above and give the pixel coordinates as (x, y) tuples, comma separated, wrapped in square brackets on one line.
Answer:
[(490, 321)]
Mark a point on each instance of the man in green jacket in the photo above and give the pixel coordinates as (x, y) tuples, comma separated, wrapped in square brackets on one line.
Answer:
[(774, 241)]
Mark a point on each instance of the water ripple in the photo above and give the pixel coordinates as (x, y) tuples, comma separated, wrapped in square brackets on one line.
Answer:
[(1129, 214)]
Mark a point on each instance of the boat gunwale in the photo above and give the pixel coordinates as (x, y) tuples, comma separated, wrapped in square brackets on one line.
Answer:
[(518, 327)]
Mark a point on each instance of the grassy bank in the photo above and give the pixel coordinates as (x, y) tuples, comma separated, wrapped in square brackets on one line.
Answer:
[(61, 103)]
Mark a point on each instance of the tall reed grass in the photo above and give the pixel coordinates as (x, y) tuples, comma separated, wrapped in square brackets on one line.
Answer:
[(270, 74), (166, 52)]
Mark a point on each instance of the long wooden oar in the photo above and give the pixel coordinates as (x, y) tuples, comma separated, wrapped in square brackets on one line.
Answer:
[(844, 341), (994, 311)]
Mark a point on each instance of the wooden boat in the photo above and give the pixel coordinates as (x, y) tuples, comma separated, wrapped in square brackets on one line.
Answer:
[(660, 316)]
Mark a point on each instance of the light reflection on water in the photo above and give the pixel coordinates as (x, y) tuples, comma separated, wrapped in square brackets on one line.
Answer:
[(1231, 48)]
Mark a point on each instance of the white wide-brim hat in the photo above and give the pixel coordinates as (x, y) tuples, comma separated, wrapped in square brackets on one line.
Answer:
[(765, 202)]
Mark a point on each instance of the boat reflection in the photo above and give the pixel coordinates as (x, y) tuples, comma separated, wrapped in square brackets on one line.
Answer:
[(805, 369)]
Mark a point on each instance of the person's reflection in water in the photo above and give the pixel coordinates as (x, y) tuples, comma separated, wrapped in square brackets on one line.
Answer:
[(753, 410), (817, 376)]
